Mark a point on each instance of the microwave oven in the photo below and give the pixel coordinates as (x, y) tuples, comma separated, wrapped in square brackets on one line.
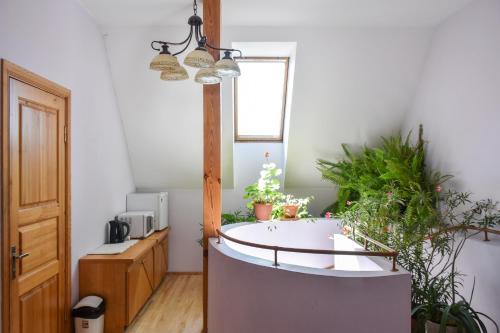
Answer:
[(157, 202), (141, 223)]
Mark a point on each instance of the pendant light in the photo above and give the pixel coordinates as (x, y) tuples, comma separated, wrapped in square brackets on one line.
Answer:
[(199, 58), (174, 74), (227, 67), (210, 72), (164, 60), (207, 76)]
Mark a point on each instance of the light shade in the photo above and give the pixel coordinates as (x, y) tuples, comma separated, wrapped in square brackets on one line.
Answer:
[(178, 73), (227, 67), (199, 58), (207, 76), (164, 62)]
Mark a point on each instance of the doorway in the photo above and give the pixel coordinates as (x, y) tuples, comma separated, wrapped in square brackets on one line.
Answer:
[(35, 203)]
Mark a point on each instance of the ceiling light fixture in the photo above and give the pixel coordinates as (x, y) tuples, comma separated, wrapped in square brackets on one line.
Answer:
[(210, 72)]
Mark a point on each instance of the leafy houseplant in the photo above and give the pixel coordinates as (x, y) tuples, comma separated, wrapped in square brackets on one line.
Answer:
[(265, 192), (396, 167), (437, 304), (230, 218), (387, 192), (237, 217), (444, 309), (294, 208), (390, 194)]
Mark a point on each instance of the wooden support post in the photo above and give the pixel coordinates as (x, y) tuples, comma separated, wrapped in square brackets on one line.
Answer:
[(211, 147)]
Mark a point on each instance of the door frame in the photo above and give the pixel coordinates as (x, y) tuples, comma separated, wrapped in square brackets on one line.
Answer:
[(10, 70)]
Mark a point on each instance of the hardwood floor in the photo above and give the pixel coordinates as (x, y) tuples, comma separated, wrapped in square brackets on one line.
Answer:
[(177, 307)]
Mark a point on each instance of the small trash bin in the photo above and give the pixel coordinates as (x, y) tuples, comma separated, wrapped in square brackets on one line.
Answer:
[(89, 315)]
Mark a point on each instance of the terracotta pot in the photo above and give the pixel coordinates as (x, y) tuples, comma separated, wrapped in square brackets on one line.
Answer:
[(263, 212), (290, 211), (432, 327)]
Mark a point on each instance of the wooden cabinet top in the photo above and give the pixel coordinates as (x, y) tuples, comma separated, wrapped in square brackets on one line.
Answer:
[(133, 253), (159, 235)]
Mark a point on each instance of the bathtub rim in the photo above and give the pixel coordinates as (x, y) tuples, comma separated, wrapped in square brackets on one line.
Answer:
[(232, 253)]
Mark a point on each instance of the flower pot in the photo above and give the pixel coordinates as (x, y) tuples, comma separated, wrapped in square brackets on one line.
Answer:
[(263, 212), (290, 211), (432, 327)]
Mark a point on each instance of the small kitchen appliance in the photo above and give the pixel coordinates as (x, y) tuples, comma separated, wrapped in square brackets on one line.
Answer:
[(118, 231), (141, 223), (157, 202)]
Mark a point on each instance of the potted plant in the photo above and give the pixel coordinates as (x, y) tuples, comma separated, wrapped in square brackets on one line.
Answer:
[(444, 309), (294, 208), (265, 192), (237, 217), (437, 306)]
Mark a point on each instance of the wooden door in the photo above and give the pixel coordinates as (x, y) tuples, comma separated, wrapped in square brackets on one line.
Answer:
[(36, 259)]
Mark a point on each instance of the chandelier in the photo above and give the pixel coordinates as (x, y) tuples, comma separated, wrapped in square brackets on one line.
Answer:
[(210, 72)]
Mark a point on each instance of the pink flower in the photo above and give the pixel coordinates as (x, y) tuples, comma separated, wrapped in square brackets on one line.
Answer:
[(348, 203), (328, 215), (438, 188), (346, 230), (389, 194)]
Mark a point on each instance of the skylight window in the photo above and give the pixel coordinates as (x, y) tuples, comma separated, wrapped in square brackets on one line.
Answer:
[(260, 99)]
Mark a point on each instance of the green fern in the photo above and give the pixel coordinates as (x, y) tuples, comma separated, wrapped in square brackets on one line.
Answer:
[(389, 187)]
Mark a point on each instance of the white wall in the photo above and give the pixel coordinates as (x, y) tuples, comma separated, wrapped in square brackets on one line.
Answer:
[(163, 121), (371, 75), (59, 40), (458, 102), (351, 85)]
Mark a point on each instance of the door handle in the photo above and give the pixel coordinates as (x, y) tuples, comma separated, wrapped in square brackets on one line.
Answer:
[(22, 255), (16, 257)]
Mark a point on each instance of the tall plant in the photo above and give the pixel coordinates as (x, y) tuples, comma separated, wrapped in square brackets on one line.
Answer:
[(436, 278), (396, 165), (387, 188), (390, 194)]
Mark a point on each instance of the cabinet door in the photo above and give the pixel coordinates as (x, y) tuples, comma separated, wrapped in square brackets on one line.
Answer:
[(140, 281), (161, 261)]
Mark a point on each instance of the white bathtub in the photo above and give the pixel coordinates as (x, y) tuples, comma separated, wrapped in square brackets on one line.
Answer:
[(247, 294), (322, 234)]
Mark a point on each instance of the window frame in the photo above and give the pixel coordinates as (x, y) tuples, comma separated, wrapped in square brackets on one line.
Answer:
[(261, 138)]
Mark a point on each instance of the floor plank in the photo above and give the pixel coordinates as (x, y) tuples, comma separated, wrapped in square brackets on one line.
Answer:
[(177, 307)]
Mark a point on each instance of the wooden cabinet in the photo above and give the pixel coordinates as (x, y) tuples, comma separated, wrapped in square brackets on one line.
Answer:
[(126, 280), (160, 251), (139, 285)]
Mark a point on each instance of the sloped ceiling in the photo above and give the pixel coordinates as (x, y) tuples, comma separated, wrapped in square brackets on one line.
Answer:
[(352, 84), (163, 121)]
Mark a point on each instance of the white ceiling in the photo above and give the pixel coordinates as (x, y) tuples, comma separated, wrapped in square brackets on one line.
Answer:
[(278, 12)]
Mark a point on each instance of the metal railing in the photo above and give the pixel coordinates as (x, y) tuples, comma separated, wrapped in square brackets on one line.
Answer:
[(388, 252), (486, 231)]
